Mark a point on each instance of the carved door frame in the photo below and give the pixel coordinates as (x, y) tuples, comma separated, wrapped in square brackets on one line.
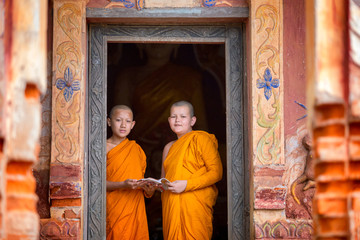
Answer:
[(236, 120)]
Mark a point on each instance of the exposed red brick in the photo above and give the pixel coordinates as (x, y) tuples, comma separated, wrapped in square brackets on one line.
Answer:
[(330, 149), (71, 214), (333, 130), (18, 167), (63, 190), (332, 206), (66, 202), (354, 170), (21, 202), (19, 183), (273, 198), (330, 169), (322, 113), (65, 172), (354, 129), (355, 203), (339, 188), (276, 171), (267, 181), (354, 149), (334, 226)]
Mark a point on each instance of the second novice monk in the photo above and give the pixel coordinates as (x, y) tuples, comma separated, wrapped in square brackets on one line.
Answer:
[(192, 164), (125, 164)]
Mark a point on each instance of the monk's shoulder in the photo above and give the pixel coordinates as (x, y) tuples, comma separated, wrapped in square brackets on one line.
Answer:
[(204, 138), (136, 146), (203, 135), (168, 146)]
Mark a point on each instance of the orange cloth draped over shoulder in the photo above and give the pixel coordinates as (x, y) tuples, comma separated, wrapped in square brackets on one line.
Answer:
[(125, 208), (193, 157)]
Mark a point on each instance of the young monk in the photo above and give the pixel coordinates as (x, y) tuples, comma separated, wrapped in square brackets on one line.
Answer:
[(192, 164), (126, 162)]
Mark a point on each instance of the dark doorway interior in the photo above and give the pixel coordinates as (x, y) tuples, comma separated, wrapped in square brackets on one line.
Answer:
[(149, 78)]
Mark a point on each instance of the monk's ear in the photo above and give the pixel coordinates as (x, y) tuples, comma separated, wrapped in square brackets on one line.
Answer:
[(109, 122), (193, 121), (132, 124)]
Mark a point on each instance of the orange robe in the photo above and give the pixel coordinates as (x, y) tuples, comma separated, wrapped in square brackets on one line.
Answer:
[(193, 157), (125, 209)]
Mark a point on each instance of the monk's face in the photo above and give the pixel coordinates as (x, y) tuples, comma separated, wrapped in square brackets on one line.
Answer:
[(180, 120), (121, 123)]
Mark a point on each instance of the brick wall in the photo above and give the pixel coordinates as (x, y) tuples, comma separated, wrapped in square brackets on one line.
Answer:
[(333, 73), (22, 80)]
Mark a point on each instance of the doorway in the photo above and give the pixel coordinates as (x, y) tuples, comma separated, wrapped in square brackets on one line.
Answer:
[(149, 77), (208, 59)]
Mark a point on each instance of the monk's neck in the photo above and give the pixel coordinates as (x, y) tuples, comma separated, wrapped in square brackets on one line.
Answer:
[(116, 140), (180, 135)]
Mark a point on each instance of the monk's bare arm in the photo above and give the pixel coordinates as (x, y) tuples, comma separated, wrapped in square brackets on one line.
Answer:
[(127, 184), (165, 153)]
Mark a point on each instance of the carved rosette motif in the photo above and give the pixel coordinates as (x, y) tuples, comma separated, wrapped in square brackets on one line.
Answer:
[(232, 37), (267, 77)]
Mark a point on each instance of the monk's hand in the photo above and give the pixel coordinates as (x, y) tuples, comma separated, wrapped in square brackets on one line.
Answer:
[(149, 189), (177, 186), (131, 184)]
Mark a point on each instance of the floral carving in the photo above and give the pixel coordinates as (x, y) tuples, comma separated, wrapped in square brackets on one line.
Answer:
[(68, 19), (67, 97), (268, 84), (68, 84), (267, 68)]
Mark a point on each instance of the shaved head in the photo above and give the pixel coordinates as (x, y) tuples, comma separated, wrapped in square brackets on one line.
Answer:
[(122, 107), (184, 103)]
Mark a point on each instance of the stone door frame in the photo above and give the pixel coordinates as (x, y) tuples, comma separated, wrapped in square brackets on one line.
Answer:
[(236, 107)]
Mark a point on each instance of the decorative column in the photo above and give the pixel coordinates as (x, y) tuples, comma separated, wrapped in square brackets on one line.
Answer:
[(22, 80), (333, 72), (68, 106), (267, 111)]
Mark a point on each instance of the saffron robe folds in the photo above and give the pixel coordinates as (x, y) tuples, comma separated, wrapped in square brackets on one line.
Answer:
[(125, 208), (193, 157)]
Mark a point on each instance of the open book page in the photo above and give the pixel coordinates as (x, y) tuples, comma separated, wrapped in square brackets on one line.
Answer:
[(163, 182)]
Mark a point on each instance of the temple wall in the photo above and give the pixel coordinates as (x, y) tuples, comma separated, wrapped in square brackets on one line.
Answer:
[(42, 116), (281, 206)]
